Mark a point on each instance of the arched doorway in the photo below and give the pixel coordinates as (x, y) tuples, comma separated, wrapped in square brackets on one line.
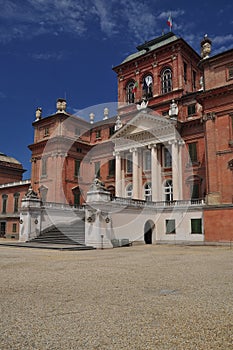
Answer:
[(148, 231)]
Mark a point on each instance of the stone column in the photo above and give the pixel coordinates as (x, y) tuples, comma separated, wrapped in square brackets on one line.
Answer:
[(181, 144), (155, 173), (135, 173), (140, 169), (175, 170), (118, 174)]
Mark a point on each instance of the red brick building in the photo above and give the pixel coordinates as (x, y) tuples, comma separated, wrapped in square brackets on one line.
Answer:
[(12, 190), (192, 92), (68, 151)]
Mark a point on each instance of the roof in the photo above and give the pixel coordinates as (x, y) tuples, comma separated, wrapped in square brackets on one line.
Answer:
[(5, 158), (152, 45)]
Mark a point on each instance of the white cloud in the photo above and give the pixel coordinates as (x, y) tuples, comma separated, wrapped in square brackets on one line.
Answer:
[(222, 39), (45, 56), (174, 14), (133, 21)]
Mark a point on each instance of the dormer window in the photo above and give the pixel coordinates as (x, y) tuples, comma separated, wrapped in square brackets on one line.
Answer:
[(166, 80)]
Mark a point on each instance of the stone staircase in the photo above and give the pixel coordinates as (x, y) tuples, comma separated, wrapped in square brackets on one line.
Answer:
[(72, 234)]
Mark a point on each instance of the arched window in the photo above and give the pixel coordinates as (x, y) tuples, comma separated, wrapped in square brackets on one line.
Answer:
[(147, 87), (129, 191), (166, 80), (130, 90), (148, 192), (168, 191)]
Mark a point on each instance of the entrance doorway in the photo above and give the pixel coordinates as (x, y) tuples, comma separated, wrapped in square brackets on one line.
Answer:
[(148, 230), (2, 228)]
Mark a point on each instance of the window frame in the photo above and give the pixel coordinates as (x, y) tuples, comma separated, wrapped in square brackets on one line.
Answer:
[(193, 152), (98, 134), (167, 150), (147, 90), (147, 160), (44, 166), (148, 191), (4, 203), (16, 202), (130, 95), (129, 189), (111, 167), (166, 80), (191, 110), (129, 163), (168, 190), (77, 164), (194, 220), (172, 223)]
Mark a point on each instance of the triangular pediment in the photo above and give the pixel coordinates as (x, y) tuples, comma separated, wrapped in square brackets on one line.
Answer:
[(144, 128)]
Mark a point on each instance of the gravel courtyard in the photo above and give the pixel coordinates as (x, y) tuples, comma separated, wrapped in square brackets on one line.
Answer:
[(142, 297)]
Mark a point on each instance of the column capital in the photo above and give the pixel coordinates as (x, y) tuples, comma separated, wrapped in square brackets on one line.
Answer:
[(173, 142), (134, 149), (116, 153)]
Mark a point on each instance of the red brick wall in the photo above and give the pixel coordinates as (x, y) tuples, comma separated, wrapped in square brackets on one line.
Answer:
[(218, 224)]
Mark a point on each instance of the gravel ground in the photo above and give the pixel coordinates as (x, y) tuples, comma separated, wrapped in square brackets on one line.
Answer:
[(142, 297)]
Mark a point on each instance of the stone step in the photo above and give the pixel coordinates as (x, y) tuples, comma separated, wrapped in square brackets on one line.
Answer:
[(64, 234)]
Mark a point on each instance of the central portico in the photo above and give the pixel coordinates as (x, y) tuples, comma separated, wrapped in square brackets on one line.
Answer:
[(148, 153)]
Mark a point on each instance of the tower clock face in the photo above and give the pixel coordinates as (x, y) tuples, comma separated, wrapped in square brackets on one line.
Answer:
[(148, 80)]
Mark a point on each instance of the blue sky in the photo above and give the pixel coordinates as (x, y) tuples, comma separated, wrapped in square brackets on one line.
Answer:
[(67, 48)]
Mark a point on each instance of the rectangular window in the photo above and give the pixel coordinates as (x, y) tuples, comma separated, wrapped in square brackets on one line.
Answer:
[(4, 203), (195, 191), (192, 148), (79, 150), (170, 226), (230, 73), (44, 167), (196, 226), (14, 228), (129, 164), (167, 157), (191, 109), (185, 72), (97, 169), (111, 167), (16, 202), (98, 134), (111, 130), (46, 131), (194, 79), (147, 160), (76, 167), (77, 199)]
